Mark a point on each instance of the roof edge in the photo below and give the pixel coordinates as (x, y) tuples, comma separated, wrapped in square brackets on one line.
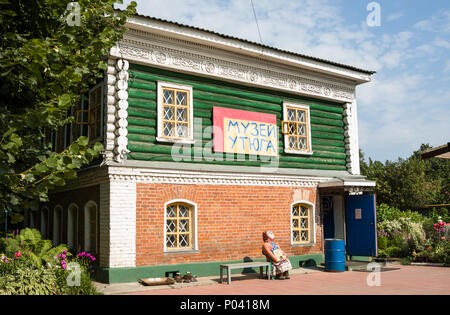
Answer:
[(235, 44)]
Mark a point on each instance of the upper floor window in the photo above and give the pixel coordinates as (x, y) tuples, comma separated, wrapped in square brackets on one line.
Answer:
[(296, 127), (175, 113), (88, 115), (81, 114), (88, 121), (95, 112)]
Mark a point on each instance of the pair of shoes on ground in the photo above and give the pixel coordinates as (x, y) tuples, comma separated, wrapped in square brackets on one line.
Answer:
[(283, 276)]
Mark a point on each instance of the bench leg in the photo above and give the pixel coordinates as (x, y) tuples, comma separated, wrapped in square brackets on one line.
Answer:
[(221, 274), (229, 275)]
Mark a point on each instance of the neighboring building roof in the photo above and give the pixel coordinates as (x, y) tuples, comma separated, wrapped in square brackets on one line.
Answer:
[(442, 151), (260, 45)]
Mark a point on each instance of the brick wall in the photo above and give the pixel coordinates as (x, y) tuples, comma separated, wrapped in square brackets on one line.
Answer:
[(230, 221)]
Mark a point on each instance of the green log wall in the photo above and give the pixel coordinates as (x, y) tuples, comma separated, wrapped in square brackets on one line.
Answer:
[(327, 126)]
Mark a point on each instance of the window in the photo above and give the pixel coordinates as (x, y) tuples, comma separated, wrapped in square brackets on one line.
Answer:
[(95, 112), (296, 129), (88, 115), (68, 129), (301, 224), (175, 113), (32, 218), (63, 135), (59, 146), (90, 227), (57, 225), (72, 227), (81, 113), (179, 227), (44, 222)]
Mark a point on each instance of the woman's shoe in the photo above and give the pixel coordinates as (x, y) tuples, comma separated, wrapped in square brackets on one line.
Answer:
[(279, 277), (286, 275)]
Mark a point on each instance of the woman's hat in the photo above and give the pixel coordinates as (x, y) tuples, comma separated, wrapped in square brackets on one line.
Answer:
[(268, 234)]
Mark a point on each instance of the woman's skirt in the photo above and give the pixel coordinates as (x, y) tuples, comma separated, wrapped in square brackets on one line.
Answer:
[(282, 266)]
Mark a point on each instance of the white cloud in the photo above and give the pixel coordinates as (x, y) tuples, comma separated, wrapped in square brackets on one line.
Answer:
[(439, 23), (447, 67), (394, 17)]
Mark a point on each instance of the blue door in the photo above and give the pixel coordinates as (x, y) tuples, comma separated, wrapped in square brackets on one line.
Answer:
[(360, 219), (328, 217)]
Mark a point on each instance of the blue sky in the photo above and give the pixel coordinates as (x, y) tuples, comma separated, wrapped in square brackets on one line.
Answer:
[(408, 101)]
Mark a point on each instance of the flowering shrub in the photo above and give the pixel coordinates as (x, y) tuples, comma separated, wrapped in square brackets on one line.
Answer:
[(407, 236), (29, 265)]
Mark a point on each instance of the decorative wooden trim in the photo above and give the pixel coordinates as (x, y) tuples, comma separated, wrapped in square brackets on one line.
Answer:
[(145, 26), (117, 105), (230, 67), (145, 175), (351, 137)]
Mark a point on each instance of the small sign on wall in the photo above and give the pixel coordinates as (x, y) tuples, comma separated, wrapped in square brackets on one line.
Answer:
[(358, 214)]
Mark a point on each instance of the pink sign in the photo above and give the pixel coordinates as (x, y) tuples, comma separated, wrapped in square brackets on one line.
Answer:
[(245, 132)]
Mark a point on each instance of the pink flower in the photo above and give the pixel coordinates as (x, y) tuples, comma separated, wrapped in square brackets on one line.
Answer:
[(63, 262), (64, 252), (64, 267), (443, 238), (18, 254)]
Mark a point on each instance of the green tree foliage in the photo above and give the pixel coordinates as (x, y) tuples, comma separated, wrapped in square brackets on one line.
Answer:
[(437, 169), (45, 65), (410, 183)]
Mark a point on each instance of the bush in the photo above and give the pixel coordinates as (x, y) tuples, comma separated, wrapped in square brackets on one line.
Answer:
[(382, 242), (30, 265), (423, 256), (388, 213), (406, 261), (394, 252), (29, 281)]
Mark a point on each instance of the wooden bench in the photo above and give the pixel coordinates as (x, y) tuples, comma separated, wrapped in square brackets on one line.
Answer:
[(260, 264)]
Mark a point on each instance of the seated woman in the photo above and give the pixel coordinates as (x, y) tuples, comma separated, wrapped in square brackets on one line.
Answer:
[(280, 261)]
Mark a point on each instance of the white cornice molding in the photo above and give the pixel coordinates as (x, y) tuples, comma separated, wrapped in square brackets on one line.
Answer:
[(243, 47), (220, 69), (164, 176), (174, 54)]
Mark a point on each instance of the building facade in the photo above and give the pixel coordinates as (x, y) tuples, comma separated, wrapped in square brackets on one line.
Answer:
[(209, 141)]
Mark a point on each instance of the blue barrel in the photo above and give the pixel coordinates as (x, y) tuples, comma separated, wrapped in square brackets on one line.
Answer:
[(334, 255)]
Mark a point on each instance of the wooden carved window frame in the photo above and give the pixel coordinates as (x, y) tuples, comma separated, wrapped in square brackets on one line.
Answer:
[(163, 119), (173, 226), (290, 128), (92, 106), (298, 227), (96, 100)]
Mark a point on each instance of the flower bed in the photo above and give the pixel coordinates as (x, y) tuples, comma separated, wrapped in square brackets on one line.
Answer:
[(30, 265), (412, 238)]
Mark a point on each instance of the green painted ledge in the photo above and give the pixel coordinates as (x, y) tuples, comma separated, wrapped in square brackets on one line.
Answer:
[(120, 275)]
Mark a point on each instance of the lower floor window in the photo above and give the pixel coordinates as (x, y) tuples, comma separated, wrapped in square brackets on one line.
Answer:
[(179, 226), (301, 224)]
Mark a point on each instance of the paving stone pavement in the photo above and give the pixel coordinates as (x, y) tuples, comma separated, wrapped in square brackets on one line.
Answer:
[(394, 279)]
